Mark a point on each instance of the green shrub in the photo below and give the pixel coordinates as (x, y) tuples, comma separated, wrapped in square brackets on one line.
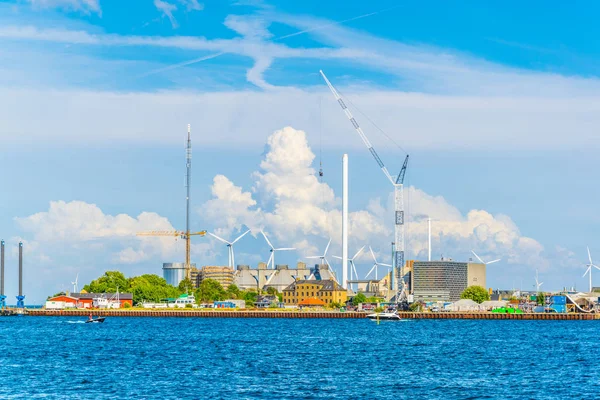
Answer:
[(126, 305), (188, 306)]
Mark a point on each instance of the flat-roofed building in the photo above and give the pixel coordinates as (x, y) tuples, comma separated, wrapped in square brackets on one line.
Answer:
[(444, 280)]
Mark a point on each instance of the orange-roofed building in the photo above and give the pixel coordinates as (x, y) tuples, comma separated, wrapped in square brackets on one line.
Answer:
[(326, 292), (311, 303)]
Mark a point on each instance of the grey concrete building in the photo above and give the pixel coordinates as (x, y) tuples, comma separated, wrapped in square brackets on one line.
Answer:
[(444, 280)]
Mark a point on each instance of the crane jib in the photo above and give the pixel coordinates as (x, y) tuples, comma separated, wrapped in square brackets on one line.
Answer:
[(372, 150)]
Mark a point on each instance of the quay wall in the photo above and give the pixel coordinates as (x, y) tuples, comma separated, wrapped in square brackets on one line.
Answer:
[(307, 314)]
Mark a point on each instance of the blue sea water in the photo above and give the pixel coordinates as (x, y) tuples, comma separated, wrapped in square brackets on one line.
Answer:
[(186, 358)]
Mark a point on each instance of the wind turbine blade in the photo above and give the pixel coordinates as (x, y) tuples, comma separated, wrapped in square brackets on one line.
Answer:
[(241, 236), (358, 252), (219, 238), (475, 254), (595, 266), (541, 283), (385, 265), (372, 254), (370, 271), (267, 239), (285, 248), (338, 257), (589, 255), (313, 257), (586, 271), (270, 259), (327, 248), (491, 262), (355, 273)]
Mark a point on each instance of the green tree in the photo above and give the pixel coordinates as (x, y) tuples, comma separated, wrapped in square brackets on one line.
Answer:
[(108, 283), (210, 290), (152, 288), (359, 298), (476, 293), (186, 286), (540, 298), (272, 291), (233, 292)]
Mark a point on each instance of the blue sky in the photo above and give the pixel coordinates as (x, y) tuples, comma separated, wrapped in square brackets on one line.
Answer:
[(497, 106)]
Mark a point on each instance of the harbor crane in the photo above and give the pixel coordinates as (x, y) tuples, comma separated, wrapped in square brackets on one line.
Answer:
[(398, 184)]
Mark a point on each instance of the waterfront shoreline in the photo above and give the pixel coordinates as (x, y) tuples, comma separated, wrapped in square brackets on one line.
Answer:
[(306, 314)]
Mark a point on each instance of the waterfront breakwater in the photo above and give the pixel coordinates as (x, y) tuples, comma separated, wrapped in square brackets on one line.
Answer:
[(307, 314)]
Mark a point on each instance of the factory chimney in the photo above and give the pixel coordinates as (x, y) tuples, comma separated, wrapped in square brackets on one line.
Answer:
[(2, 296), (20, 297), (345, 221)]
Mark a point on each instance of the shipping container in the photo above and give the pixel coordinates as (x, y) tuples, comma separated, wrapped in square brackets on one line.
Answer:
[(560, 300)]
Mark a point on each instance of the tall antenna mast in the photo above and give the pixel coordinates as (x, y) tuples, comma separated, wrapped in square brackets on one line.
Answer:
[(188, 181)]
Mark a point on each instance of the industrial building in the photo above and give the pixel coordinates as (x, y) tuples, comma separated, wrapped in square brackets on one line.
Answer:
[(328, 291), (174, 273), (444, 280), (279, 278)]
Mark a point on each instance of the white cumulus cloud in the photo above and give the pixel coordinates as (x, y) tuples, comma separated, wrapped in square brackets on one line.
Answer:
[(84, 6), (288, 200)]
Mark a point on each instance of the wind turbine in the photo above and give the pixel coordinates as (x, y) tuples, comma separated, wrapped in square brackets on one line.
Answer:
[(483, 262), (273, 250), (588, 271), (538, 284), (323, 258), (230, 246), (375, 265), (352, 266), (75, 284)]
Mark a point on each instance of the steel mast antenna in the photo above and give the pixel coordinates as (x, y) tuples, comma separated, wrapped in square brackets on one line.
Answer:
[(398, 183)]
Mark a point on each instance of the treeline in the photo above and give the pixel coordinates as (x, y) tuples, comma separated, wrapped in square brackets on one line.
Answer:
[(152, 288)]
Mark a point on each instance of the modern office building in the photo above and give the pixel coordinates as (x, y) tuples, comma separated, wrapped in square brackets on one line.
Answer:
[(444, 280)]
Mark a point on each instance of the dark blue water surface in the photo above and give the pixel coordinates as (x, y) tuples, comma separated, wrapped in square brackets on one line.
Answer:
[(186, 358)]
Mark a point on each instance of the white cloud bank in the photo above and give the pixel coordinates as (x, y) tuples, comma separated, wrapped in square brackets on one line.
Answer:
[(287, 200)]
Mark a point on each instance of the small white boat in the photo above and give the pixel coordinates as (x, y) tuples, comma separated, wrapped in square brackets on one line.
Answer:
[(384, 316)]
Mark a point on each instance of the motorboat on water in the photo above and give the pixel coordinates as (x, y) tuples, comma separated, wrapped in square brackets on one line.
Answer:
[(384, 316), (98, 320)]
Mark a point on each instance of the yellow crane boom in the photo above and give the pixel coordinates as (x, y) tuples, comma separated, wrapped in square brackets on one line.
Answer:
[(184, 235)]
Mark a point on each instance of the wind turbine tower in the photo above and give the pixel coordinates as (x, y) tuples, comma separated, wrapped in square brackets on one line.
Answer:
[(397, 183), (588, 271), (188, 183), (2, 296), (345, 221)]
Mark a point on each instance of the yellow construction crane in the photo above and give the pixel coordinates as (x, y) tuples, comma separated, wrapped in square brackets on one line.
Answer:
[(184, 235)]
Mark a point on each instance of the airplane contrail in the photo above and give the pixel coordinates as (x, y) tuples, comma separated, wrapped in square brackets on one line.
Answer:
[(215, 55), (335, 23), (182, 64)]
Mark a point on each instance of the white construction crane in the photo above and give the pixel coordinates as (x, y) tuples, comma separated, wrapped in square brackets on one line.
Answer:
[(398, 183)]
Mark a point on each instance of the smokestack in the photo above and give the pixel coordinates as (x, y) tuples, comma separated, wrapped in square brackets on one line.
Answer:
[(345, 221), (429, 221), (20, 269), (2, 268)]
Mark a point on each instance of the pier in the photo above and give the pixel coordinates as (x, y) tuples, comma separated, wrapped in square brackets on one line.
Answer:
[(308, 314)]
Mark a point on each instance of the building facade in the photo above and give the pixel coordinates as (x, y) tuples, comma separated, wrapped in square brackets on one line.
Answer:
[(444, 280), (174, 273), (328, 291), (223, 275)]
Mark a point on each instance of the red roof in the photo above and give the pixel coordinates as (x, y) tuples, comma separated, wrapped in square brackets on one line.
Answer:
[(311, 302)]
